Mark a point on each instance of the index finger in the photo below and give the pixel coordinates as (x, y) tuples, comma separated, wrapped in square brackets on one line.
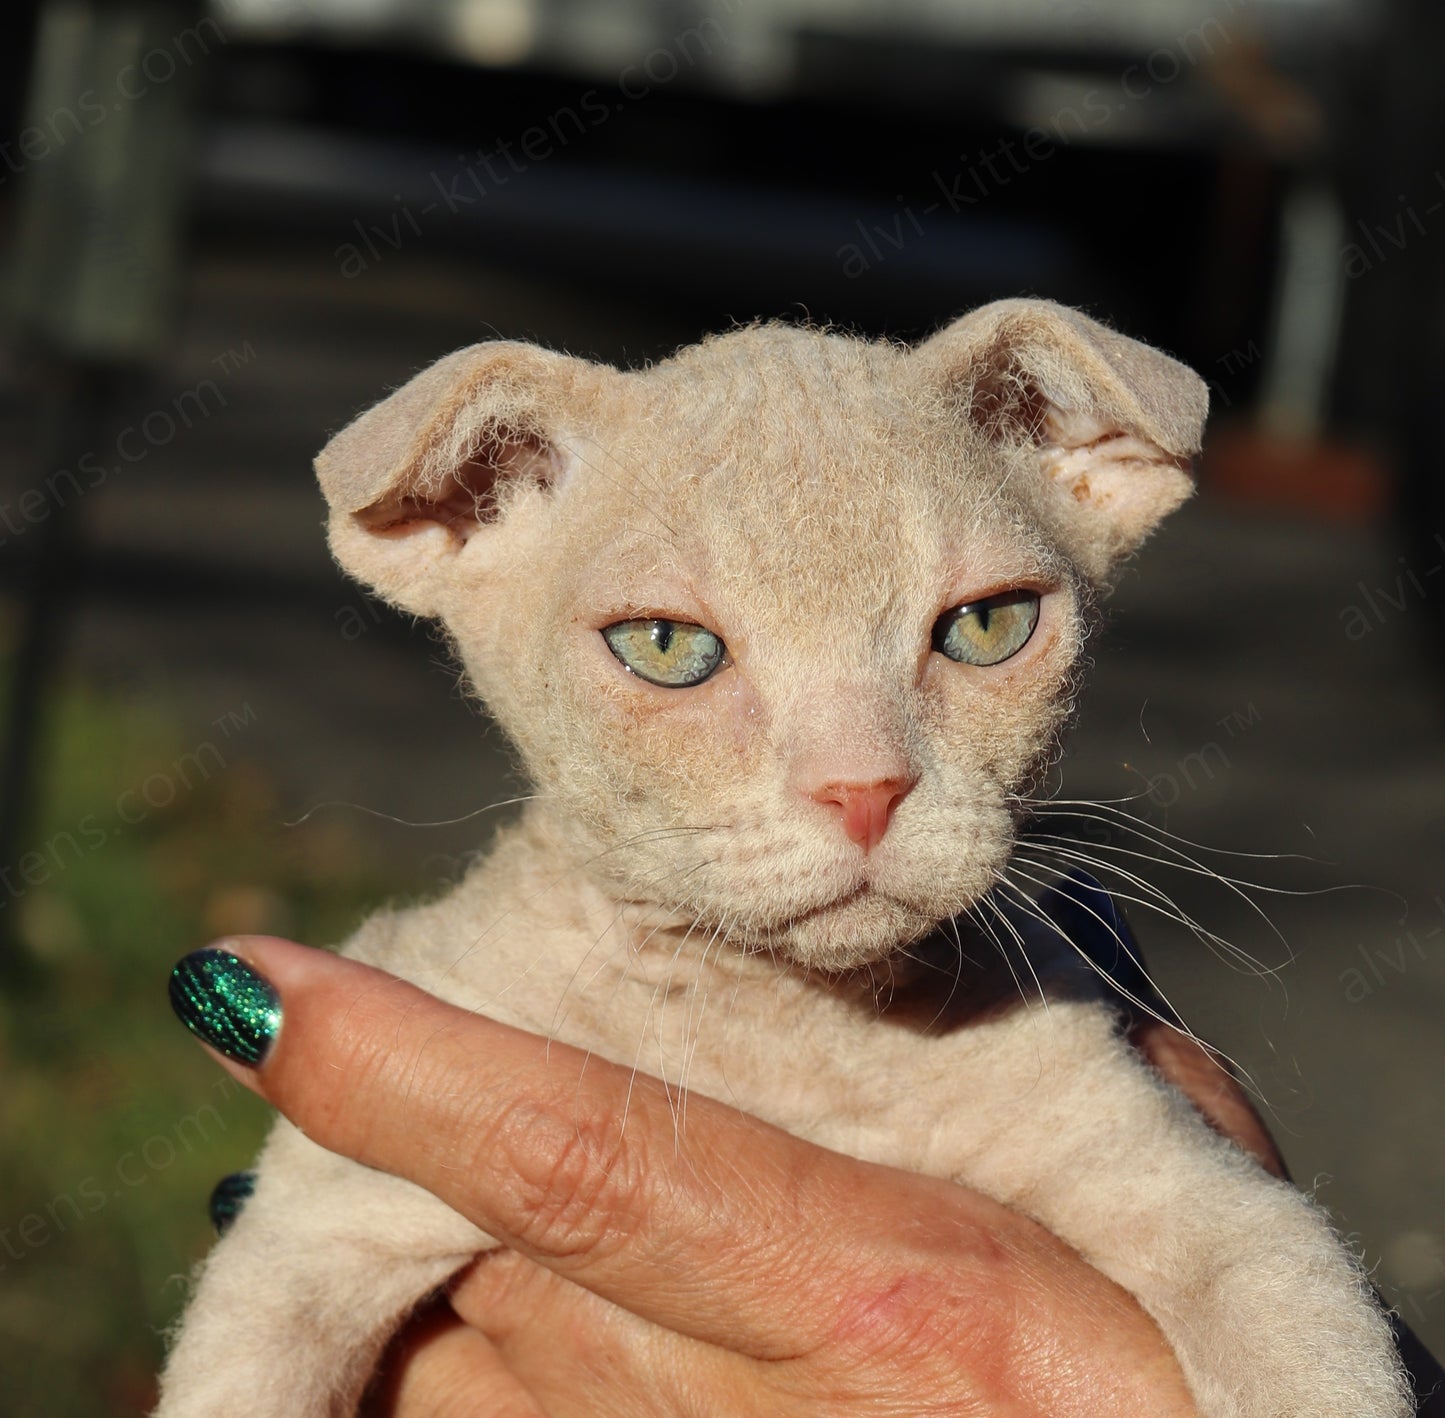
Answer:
[(727, 1231)]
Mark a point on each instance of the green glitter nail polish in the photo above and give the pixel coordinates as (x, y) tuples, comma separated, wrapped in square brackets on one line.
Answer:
[(222, 1000), (230, 1195)]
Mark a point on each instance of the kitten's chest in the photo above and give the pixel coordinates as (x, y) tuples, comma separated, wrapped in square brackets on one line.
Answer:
[(927, 1074)]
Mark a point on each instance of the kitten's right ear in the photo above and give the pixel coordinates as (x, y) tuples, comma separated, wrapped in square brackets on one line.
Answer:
[(412, 481), (1114, 422)]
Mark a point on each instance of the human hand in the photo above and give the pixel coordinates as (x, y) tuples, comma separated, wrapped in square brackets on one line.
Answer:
[(726, 1267)]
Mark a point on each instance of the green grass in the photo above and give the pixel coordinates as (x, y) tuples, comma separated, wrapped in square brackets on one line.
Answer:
[(113, 1124)]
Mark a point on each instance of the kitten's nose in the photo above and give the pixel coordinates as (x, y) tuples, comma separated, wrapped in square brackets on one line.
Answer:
[(867, 807)]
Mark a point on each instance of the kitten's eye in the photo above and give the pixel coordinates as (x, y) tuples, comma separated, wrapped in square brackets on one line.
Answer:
[(988, 632), (672, 653)]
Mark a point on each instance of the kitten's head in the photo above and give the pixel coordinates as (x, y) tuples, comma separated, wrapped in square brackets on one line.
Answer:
[(786, 626)]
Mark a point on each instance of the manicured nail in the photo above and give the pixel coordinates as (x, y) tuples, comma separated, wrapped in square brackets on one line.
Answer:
[(223, 1001), (230, 1195)]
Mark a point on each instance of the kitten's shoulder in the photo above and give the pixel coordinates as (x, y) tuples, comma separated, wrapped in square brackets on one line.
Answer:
[(495, 939)]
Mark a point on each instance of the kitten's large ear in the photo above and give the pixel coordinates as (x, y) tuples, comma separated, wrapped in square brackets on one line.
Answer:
[(1115, 422), (413, 480)]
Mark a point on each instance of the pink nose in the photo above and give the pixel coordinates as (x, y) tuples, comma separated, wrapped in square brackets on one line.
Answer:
[(867, 807)]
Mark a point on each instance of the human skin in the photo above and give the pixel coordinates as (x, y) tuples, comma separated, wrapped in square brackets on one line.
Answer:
[(721, 1266)]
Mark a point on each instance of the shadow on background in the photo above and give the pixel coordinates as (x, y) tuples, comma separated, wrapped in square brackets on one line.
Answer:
[(229, 229)]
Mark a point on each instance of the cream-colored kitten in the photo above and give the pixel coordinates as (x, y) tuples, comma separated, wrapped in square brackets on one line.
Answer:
[(785, 629)]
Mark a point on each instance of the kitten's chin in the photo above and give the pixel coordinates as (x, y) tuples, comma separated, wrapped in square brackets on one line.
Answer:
[(860, 929)]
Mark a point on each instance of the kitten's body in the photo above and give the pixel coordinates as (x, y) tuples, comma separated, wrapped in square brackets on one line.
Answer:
[(692, 892)]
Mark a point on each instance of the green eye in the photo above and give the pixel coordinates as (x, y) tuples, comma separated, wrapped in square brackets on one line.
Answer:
[(988, 632), (671, 653)]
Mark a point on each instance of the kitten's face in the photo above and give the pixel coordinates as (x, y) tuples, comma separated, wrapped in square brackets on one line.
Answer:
[(822, 552), (782, 527)]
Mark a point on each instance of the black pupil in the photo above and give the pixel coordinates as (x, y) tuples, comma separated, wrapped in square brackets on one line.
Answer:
[(662, 635), (982, 614)]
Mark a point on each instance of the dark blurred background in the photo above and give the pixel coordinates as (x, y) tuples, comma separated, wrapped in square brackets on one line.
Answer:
[(228, 228)]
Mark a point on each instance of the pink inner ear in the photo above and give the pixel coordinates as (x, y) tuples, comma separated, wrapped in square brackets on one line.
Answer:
[(1068, 428), (470, 495)]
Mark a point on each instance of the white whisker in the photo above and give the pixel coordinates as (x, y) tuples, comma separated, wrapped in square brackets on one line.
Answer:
[(1246, 1079), (1059, 807), (987, 928), (1154, 899), (406, 822)]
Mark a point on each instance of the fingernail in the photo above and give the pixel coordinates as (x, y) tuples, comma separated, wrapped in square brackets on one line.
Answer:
[(229, 1196), (224, 1002)]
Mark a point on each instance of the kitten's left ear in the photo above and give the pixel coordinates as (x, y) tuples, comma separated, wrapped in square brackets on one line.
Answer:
[(1115, 422)]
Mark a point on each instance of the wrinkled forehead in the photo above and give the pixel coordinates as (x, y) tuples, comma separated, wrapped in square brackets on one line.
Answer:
[(773, 457)]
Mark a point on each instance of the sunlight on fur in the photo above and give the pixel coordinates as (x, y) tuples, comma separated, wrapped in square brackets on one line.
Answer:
[(790, 844)]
